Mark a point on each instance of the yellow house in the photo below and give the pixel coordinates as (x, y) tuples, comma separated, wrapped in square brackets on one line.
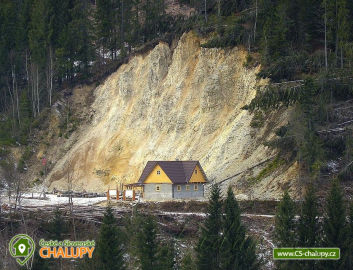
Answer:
[(164, 180)]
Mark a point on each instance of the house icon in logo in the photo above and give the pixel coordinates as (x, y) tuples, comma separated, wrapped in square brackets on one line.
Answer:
[(21, 248)]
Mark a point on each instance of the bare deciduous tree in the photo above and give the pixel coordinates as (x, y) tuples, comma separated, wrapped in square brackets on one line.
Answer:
[(69, 178)]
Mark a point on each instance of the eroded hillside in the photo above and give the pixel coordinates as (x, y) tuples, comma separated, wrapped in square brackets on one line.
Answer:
[(175, 104)]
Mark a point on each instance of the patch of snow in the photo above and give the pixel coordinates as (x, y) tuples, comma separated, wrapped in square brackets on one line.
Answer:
[(50, 200), (333, 166), (242, 197), (183, 213)]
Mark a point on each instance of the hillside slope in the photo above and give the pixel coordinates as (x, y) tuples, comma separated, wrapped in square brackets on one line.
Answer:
[(174, 104)]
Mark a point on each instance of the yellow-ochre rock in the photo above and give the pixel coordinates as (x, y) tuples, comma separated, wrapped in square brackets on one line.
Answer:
[(183, 104)]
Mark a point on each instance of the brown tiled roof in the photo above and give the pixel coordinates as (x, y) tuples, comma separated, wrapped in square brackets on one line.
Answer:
[(178, 171)]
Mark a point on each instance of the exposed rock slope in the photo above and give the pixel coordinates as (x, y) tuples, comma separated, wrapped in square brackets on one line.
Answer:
[(183, 104)]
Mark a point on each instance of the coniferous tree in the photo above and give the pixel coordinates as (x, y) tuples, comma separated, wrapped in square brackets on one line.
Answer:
[(57, 227), (79, 36), (334, 226), (25, 115), (165, 255), (343, 28), (284, 222), (105, 26), (110, 249), (237, 249), (349, 240), (308, 227), (147, 247), (208, 247), (187, 262), (285, 234), (274, 31)]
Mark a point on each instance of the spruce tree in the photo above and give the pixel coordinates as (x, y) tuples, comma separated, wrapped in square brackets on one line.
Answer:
[(285, 234), (110, 247), (57, 227), (105, 26), (334, 221), (237, 249), (166, 256), (284, 222), (349, 240), (187, 262), (308, 227), (208, 247), (343, 28), (79, 36), (147, 247), (335, 224)]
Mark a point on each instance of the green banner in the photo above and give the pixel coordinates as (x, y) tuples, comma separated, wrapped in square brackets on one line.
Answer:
[(306, 253)]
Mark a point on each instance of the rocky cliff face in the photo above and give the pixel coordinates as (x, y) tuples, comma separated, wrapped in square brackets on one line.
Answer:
[(174, 104)]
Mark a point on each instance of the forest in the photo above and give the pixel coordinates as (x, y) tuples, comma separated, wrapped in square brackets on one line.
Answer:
[(305, 49), (139, 240)]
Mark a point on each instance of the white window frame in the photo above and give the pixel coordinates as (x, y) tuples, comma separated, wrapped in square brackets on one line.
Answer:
[(178, 187), (187, 187), (196, 187), (158, 188), (158, 172)]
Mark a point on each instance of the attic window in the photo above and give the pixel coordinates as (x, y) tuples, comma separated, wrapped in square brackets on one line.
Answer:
[(158, 172), (178, 188), (195, 171)]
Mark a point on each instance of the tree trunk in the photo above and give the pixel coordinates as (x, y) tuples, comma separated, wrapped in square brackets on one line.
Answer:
[(205, 5), (13, 107), (50, 76), (122, 27), (15, 92), (37, 88), (218, 8), (326, 64), (255, 21), (336, 49)]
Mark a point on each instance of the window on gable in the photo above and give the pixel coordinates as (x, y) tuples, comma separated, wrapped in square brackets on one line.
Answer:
[(158, 172), (178, 188), (158, 188), (195, 171), (187, 187), (196, 187)]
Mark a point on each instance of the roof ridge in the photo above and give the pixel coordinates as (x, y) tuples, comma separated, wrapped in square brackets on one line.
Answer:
[(178, 171)]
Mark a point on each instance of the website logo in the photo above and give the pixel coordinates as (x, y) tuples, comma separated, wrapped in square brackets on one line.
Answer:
[(66, 249), (22, 248)]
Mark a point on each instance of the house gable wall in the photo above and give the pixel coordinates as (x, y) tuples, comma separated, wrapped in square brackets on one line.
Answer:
[(153, 177), (197, 177)]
